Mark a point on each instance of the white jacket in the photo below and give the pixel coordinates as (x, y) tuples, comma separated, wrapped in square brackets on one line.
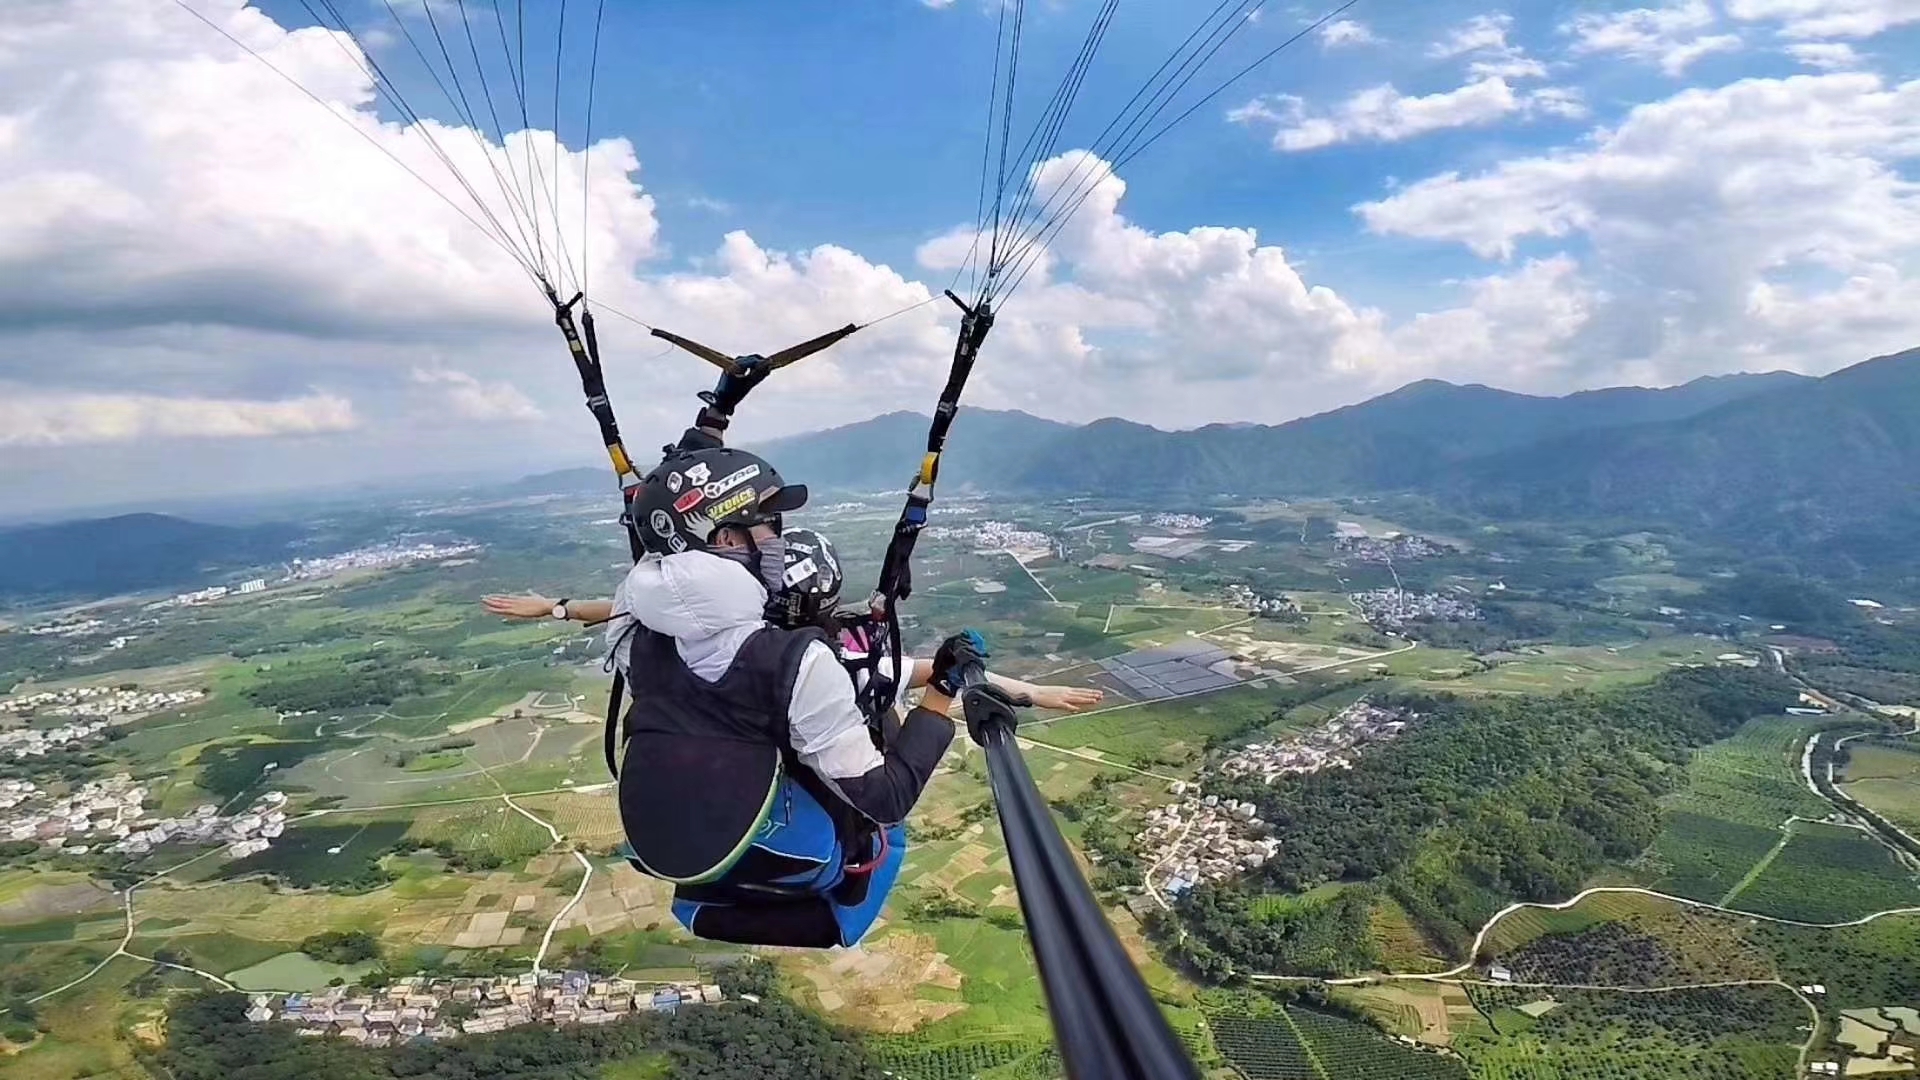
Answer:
[(710, 606)]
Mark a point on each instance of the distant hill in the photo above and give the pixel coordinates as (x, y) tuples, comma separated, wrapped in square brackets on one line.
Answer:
[(102, 556), (1832, 460), (1782, 457), (1400, 439), (988, 448)]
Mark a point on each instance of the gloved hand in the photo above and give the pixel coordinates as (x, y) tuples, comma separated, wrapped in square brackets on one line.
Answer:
[(957, 653), (988, 707), (734, 387)]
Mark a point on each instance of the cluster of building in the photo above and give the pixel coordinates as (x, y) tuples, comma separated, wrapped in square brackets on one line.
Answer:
[(22, 743), (1204, 839), (246, 833), (376, 557), (111, 815), (419, 1007), (1389, 547), (98, 701), (989, 537), (75, 821), (1253, 603), (1392, 609), (66, 628), (1181, 522), (218, 592), (1332, 745)]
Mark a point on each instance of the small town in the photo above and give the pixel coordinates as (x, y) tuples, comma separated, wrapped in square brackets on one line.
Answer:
[(1388, 547), (1179, 522), (1393, 609), (420, 1007), (23, 743), (113, 812), (1204, 839), (95, 701), (1332, 745), (376, 557), (991, 537), (1253, 603)]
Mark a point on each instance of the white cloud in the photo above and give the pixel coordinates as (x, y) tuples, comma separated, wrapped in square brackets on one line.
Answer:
[(1384, 114), (221, 245), (1343, 32), (936, 5), (1672, 37), (167, 193), (1482, 33), (35, 417), (1713, 214), (1828, 18), (473, 399), (1825, 55)]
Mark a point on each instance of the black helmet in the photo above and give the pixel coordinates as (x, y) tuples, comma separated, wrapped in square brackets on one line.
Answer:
[(810, 584), (693, 492)]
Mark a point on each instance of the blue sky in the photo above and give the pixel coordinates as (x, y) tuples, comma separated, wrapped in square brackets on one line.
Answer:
[(202, 268)]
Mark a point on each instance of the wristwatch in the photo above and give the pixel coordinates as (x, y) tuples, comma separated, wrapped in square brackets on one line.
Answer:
[(560, 610)]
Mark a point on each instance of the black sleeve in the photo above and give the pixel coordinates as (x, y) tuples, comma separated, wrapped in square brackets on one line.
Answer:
[(887, 792), (695, 439)]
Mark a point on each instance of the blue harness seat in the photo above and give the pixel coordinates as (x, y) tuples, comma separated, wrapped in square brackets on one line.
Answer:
[(759, 850), (823, 904)]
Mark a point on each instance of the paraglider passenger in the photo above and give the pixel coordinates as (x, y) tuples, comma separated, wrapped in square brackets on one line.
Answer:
[(748, 776)]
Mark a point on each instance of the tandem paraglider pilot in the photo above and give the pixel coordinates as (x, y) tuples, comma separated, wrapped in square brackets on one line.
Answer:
[(748, 775)]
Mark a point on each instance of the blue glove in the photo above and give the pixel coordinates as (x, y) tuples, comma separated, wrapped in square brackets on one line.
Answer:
[(958, 653)]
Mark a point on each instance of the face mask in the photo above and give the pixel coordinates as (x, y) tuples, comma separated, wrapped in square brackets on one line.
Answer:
[(767, 561)]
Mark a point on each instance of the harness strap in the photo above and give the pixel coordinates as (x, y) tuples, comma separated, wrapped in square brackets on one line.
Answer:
[(896, 567)]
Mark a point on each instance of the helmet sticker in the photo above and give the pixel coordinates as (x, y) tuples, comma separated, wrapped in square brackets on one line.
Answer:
[(677, 542), (662, 522), (730, 481), (674, 482), (719, 511), (688, 501), (799, 572), (699, 474)]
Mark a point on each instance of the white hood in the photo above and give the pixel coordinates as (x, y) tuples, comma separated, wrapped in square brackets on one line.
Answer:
[(707, 604)]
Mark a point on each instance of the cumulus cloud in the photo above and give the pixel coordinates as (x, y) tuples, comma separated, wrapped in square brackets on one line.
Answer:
[(33, 417), (168, 194), (188, 247), (1383, 114), (1825, 55), (468, 397), (1482, 33), (1716, 211), (1673, 37), (1814, 19), (1344, 32)]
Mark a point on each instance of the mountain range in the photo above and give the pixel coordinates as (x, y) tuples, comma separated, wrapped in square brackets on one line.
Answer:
[(102, 556), (1790, 458), (1785, 461)]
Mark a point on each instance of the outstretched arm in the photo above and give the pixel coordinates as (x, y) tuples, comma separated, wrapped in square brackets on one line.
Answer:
[(535, 606), (1059, 698)]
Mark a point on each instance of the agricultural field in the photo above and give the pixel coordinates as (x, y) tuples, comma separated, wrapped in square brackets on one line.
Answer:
[(1300, 1044), (1885, 778), (1722, 1033), (1739, 794), (1828, 874), (1546, 669), (294, 971)]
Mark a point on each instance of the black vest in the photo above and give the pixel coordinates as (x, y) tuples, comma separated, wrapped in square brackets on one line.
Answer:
[(702, 760)]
